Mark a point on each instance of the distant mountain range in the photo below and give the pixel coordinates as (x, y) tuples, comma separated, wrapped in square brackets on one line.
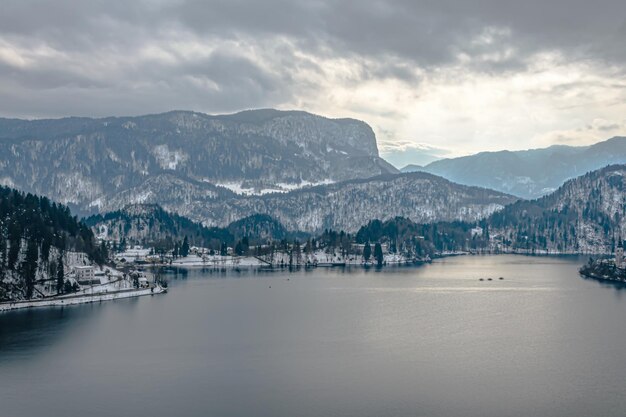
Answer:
[(307, 172), (528, 174), (86, 162)]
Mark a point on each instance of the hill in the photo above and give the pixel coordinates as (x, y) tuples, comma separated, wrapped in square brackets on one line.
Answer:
[(35, 238), (346, 205), (585, 215), (151, 225)]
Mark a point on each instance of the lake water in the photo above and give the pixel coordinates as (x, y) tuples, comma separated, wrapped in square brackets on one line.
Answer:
[(413, 341)]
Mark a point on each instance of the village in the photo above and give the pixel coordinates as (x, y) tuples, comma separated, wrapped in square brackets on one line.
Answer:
[(266, 256), (84, 282)]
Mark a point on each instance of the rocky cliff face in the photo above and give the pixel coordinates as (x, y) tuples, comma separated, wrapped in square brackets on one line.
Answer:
[(86, 162)]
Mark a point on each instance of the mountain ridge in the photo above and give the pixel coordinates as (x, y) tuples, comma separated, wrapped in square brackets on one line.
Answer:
[(529, 173), (81, 161), (345, 205)]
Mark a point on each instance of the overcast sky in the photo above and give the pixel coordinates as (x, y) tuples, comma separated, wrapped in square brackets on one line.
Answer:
[(432, 77)]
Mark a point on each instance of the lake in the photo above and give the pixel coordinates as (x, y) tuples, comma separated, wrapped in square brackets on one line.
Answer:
[(431, 340)]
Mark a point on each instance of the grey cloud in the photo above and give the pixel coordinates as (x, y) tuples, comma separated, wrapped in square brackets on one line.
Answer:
[(223, 82), (99, 69), (425, 32)]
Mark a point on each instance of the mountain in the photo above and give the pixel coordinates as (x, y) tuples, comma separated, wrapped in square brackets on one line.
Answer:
[(341, 206), (86, 162), (150, 224), (36, 236), (585, 215), (404, 152), (533, 173)]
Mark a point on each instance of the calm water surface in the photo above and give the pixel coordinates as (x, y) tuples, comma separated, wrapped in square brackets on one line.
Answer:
[(424, 341)]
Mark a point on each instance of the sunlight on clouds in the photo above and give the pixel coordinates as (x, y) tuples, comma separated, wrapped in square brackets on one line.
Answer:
[(470, 112)]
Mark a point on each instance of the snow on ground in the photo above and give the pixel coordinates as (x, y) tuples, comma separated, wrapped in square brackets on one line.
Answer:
[(96, 203), (134, 254), (169, 159), (217, 261), (319, 257), (281, 187)]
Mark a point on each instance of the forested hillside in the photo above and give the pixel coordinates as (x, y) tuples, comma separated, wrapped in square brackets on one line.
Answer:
[(345, 205), (151, 225), (585, 215), (35, 234)]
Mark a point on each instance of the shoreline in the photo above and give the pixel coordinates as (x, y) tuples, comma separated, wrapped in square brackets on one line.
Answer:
[(66, 300), (601, 278), (340, 264)]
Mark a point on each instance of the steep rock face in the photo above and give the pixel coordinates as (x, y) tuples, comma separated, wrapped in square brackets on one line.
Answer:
[(532, 173), (85, 162), (587, 214), (347, 205)]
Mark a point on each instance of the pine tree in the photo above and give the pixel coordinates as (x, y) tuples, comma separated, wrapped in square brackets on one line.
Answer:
[(367, 251), (184, 249), (29, 267), (104, 252), (378, 254), (15, 239)]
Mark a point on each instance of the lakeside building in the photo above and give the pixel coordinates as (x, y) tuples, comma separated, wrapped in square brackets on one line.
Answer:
[(85, 275)]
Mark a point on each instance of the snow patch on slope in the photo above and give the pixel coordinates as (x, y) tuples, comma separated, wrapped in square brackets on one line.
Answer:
[(169, 159), (281, 187)]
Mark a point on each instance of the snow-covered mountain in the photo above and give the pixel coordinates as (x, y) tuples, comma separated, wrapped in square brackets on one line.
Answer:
[(532, 173), (86, 162), (345, 205)]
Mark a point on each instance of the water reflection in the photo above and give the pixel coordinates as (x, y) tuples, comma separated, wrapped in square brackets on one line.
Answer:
[(25, 332), (617, 286)]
